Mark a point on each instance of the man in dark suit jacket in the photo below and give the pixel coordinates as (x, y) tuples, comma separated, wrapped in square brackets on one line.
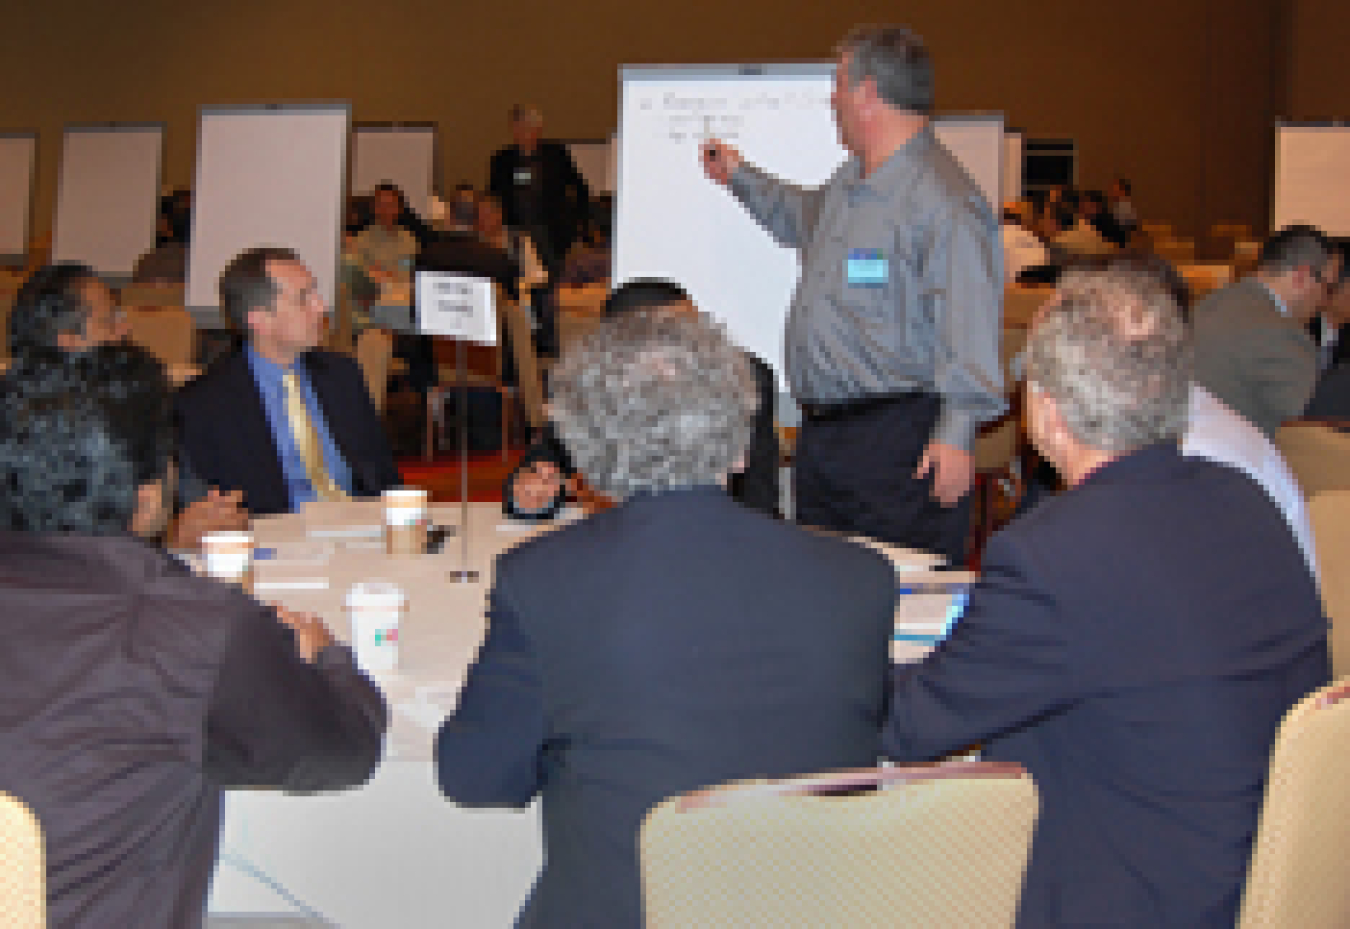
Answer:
[(1133, 642), (539, 187), (675, 641), (1252, 348), (458, 250), (234, 431), (537, 487)]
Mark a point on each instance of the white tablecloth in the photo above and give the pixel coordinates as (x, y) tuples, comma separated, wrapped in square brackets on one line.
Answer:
[(395, 854)]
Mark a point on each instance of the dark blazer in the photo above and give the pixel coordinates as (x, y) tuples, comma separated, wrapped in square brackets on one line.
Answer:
[(224, 437), (1251, 356), (465, 253), (1133, 642), (1331, 400), (756, 486), (676, 641), (565, 196)]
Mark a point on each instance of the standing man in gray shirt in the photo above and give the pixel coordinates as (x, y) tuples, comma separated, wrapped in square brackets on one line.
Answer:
[(892, 337)]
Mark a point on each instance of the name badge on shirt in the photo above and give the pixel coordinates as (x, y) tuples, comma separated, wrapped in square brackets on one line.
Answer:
[(524, 175), (865, 267)]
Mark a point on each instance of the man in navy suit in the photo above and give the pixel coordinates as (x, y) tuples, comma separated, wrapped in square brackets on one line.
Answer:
[(1132, 642), (236, 430), (675, 641)]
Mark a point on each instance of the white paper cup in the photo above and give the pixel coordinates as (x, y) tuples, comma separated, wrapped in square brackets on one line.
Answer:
[(375, 609), (405, 520), (228, 555)]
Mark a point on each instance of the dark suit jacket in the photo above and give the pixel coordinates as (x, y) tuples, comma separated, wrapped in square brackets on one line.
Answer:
[(1252, 357), (565, 196), (756, 486), (224, 437), (676, 641), (465, 253), (1332, 397), (1133, 643)]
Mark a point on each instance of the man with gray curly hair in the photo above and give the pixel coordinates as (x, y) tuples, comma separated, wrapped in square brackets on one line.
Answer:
[(1132, 642), (655, 402), (677, 640)]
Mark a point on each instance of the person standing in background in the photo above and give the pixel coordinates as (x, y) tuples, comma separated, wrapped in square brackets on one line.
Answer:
[(540, 188)]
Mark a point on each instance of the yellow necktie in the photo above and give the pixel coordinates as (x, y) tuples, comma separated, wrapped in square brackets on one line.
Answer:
[(307, 441)]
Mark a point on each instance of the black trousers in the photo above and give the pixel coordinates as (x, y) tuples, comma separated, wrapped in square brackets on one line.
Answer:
[(854, 472)]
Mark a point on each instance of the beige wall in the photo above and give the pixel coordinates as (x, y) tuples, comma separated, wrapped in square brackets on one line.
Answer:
[(1177, 94)]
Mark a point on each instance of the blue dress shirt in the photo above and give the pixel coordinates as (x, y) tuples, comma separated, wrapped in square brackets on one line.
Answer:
[(268, 374)]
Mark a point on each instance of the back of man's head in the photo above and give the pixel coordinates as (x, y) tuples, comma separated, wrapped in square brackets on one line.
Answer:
[(1113, 354), (643, 294), (896, 59), (1294, 247), (653, 401), (79, 435), (49, 303), (246, 284)]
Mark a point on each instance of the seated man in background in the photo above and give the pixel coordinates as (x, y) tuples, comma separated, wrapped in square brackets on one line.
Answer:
[(1134, 641), (280, 419), (134, 692), (675, 641), (1252, 347), (457, 249), (64, 311), (384, 250), (540, 483)]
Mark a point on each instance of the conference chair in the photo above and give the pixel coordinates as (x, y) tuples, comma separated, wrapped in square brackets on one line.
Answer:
[(1317, 453), (935, 846), (167, 332), (1329, 513), (588, 299), (512, 320), (1177, 251), (1297, 873), (132, 295), (23, 891), (1020, 303), (375, 354)]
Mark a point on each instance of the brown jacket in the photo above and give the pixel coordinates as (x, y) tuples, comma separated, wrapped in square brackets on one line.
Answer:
[(131, 693)]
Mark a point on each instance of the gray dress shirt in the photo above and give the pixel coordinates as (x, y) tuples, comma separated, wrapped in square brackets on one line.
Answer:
[(901, 287)]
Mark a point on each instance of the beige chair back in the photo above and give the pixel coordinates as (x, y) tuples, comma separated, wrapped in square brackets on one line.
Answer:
[(1020, 304), (588, 299), (23, 892), (375, 354), (1329, 513), (153, 295), (1318, 455), (515, 319), (1177, 251), (168, 332), (1297, 873), (940, 846)]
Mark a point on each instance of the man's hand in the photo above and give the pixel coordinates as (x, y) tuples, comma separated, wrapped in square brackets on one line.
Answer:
[(311, 635), (537, 486), (953, 471), (216, 512), (720, 160)]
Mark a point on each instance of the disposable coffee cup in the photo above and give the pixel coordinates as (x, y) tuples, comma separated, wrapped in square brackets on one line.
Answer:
[(405, 520), (375, 609), (229, 557)]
